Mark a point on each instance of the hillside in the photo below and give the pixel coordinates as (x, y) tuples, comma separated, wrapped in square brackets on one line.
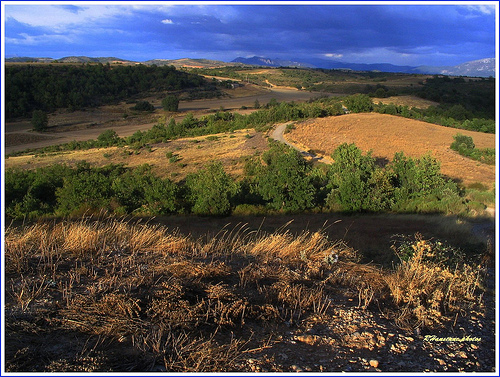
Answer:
[(477, 68), (386, 134)]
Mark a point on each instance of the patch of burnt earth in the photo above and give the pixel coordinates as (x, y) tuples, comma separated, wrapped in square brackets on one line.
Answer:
[(255, 141)]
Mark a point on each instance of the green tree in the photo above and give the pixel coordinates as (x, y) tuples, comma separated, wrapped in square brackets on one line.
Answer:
[(419, 184), (143, 106), (284, 182), (39, 120), (349, 178), (108, 138), (211, 190), (87, 190), (358, 103), (170, 103)]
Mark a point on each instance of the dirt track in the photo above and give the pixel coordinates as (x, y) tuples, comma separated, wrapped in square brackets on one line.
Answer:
[(385, 135)]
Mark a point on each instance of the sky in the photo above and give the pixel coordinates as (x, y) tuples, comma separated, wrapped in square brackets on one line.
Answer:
[(402, 34)]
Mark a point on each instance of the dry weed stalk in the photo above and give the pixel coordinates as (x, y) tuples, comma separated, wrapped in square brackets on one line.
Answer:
[(426, 291)]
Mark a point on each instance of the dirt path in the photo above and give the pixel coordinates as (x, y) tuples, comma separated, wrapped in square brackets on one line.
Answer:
[(278, 134)]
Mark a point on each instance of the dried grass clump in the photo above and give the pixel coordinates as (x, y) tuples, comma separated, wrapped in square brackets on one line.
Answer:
[(425, 291)]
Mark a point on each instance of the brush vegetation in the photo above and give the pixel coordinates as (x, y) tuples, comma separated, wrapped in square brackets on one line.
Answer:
[(278, 181), (131, 296)]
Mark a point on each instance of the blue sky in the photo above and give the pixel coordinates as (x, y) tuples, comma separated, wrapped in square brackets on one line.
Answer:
[(408, 34)]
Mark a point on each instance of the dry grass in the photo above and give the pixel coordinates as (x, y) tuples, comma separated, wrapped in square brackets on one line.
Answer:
[(192, 154), (410, 101), (386, 135), (150, 299)]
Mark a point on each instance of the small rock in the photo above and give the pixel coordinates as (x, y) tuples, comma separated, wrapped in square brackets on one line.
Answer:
[(441, 361), (374, 363), (308, 339), (296, 368)]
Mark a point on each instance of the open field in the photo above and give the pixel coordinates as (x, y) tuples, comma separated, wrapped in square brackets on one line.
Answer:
[(308, 292), (410, 101), (385, 135), (88, 124), (173, 160)]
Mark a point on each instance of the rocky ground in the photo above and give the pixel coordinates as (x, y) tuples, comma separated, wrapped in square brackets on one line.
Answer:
[(355, 340)]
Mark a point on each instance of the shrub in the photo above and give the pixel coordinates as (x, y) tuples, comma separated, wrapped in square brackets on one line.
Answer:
[(284, 182), (143, 106), (170, 103), (349, 178), (358, 103), (465, 146), (430, 281), (39, 120), (462, 142), (108, 138), (211, 190)]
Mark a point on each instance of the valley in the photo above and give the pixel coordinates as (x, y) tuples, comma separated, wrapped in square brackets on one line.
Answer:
[(196, 240)]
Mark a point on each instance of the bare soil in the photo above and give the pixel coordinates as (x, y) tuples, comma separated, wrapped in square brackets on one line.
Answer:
[(386, 135)]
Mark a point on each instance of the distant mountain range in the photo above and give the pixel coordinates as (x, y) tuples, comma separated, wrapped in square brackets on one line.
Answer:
[(476, 68)]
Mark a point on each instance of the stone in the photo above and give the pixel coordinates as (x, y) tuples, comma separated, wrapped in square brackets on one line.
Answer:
[(308, 339), (374, 363), (296, 368)]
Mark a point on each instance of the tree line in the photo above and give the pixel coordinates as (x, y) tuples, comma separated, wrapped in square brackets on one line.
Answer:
[(279, 181), (51, 87)]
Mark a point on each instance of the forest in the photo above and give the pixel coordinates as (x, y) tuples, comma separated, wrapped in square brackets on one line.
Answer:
[(73, 87)]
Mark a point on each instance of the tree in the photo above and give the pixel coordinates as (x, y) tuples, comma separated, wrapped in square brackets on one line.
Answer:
[(143, 106), (349, 178), (211, 190), (39, 120), (284, 182), (170, 103), (358, 103), (108, 138)]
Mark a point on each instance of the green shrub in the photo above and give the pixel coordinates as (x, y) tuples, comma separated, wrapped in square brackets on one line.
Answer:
[(211, 190), (465, 146), (143, 106), (170, 103), (284, 181), (358, 103), (39, 120), (349, 179)]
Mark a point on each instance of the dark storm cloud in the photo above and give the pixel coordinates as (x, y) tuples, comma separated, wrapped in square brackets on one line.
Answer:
[(416, 34)]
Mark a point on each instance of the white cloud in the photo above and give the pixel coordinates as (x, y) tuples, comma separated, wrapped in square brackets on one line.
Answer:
[(334, 56), (58, 18), (167, 21), (482, 8)]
